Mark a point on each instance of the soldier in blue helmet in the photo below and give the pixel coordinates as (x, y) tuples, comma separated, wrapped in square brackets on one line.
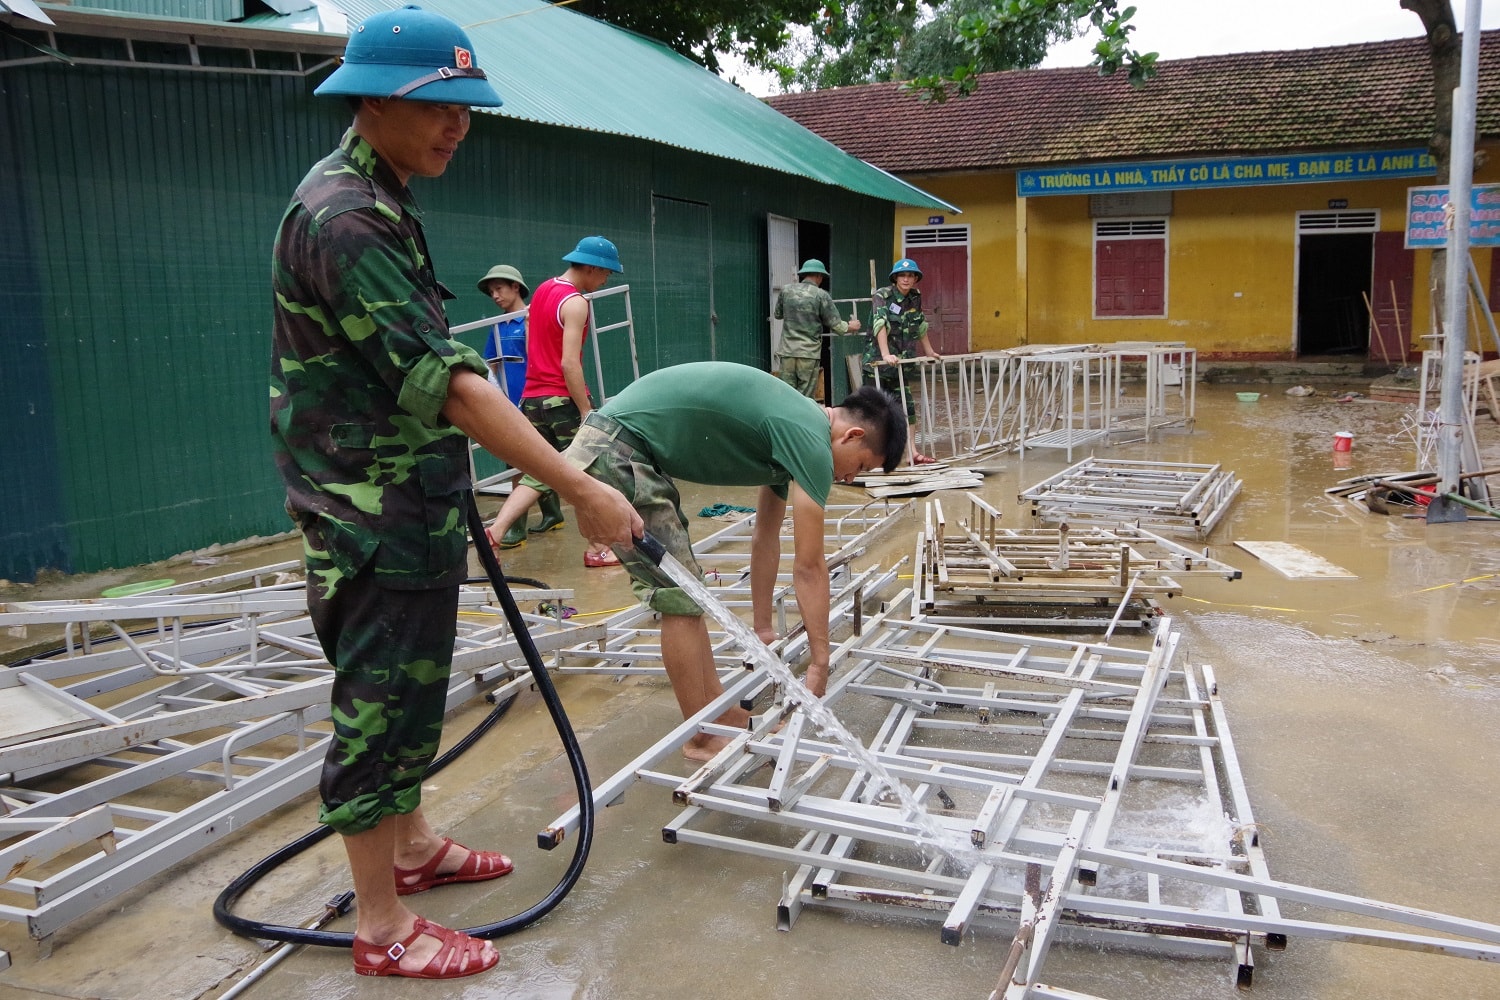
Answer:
[(371, 402), (898, 330)]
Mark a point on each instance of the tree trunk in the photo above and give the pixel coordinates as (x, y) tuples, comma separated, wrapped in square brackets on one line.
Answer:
[(1445, 53)]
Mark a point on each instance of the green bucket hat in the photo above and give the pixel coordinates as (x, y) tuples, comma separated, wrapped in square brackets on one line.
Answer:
[(504, 272), (812, 266)]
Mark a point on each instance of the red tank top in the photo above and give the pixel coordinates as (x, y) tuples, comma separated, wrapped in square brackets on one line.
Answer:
[(544, 339)]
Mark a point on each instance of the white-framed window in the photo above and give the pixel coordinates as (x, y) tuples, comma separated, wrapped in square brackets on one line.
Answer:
[(1365, 220), (932, 236)]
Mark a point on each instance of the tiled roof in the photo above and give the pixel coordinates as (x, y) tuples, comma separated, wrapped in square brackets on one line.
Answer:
[(1377, 94)]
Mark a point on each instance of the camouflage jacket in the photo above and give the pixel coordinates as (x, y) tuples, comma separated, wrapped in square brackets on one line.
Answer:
[(361, 360), (900, 316), (807, 311)]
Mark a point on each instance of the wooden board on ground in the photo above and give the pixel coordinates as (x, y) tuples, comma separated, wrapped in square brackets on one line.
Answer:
[(1294, 562), (954, 479)]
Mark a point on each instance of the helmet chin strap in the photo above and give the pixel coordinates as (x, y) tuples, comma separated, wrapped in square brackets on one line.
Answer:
[(443, 73)]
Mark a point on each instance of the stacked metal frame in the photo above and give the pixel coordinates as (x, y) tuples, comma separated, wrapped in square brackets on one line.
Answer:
[(171, 719), (1173, 497), (1043, 765), (1099, 578)]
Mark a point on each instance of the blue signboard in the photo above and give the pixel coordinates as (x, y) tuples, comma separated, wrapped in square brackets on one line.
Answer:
[(1169, 175), (1426, 211)]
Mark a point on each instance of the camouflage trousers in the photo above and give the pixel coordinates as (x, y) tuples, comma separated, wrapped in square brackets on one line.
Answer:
[(801, 374), (611, 454), (887, 377), (556, 419), (391, 652)]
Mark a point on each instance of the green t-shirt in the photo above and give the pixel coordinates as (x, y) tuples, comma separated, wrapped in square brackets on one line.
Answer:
[(724, 424)]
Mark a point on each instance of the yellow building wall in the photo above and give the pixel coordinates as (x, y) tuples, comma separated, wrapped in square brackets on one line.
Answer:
[(1231, 263)]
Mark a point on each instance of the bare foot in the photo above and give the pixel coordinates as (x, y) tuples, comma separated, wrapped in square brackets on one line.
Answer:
[(704, 748)]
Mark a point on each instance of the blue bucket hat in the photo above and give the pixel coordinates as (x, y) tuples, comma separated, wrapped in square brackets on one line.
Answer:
[(596, 251), (412, 54)]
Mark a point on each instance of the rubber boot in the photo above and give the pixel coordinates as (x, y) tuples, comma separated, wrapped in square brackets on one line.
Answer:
[(552, 515), (514, 535)]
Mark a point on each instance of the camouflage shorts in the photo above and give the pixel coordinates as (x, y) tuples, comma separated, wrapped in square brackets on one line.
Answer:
[(391, 652), (611, 454), (556, 419), (801, 374)]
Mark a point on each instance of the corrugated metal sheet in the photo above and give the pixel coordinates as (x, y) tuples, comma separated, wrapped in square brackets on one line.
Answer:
[(197, 10), (135, 261), (555, 67), (137, 208)]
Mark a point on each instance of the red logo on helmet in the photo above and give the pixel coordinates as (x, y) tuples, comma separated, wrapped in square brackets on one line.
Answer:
[(463, 58)]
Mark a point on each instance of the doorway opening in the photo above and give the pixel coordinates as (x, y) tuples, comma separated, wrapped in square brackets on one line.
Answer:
[(1335, 265)]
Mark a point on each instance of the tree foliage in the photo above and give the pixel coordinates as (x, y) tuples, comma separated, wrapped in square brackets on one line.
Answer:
[(940, 47), (701, 29), (873, 41)]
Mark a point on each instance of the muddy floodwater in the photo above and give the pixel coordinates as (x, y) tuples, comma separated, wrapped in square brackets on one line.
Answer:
[(1364, 713)]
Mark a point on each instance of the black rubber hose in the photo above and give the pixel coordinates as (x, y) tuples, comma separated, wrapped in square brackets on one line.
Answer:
[(302, 935)]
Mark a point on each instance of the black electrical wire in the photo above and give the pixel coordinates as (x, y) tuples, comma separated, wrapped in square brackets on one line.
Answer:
[(223, 906)]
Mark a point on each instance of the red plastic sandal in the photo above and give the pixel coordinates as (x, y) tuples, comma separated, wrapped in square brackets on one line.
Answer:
[(479, 866), (595, 560), (460, 955)]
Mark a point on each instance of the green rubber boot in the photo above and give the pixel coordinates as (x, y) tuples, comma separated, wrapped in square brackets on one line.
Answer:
[(514, 535), (552, 515)]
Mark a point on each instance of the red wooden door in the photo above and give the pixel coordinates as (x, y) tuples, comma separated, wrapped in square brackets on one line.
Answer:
[(1390, 333), (945, 296)]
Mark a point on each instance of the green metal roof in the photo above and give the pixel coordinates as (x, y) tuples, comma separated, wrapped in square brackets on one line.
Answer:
[(556, 67)]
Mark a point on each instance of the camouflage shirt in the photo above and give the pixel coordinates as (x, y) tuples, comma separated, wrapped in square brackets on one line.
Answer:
[(807, 311), (900, 316), (361, 360)]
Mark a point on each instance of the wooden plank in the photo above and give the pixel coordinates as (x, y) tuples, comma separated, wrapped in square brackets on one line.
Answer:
[(1294, 562)]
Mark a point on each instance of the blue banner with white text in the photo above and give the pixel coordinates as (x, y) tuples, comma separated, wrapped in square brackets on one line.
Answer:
[(1220, 172)]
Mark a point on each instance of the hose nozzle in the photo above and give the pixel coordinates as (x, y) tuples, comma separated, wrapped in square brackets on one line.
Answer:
[(649, 546)]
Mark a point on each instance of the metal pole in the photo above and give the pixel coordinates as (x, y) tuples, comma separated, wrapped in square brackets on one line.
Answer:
[(1455, 316)]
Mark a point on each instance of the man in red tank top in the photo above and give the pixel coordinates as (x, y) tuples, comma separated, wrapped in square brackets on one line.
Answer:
[(556, 397)]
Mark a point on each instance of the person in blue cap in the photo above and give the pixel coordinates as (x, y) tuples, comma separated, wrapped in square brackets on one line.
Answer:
[(372, 405), (898, 330), (556, 397)]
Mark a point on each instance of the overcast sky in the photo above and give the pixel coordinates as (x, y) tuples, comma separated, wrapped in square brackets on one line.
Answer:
[(1178, 29)]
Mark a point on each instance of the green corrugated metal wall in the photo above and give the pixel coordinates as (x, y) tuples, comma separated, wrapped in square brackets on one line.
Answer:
[(199, 10), (135, 274)]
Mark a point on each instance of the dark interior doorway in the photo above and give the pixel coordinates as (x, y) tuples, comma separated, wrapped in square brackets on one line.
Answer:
[(1332, 282), (815, 240)]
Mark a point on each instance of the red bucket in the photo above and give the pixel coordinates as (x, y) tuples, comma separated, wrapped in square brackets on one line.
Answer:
[(1343, 441)]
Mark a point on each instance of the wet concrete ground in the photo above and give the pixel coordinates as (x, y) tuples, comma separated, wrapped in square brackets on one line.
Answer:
[(1363, 710)]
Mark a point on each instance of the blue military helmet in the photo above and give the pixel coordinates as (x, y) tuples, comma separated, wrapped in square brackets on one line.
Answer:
[(413, 54), (596, 251), (811, 266), (905, 266)]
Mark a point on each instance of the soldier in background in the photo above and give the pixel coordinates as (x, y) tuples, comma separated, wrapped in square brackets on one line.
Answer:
[(371, 400), (898, 330), (807, 312)]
